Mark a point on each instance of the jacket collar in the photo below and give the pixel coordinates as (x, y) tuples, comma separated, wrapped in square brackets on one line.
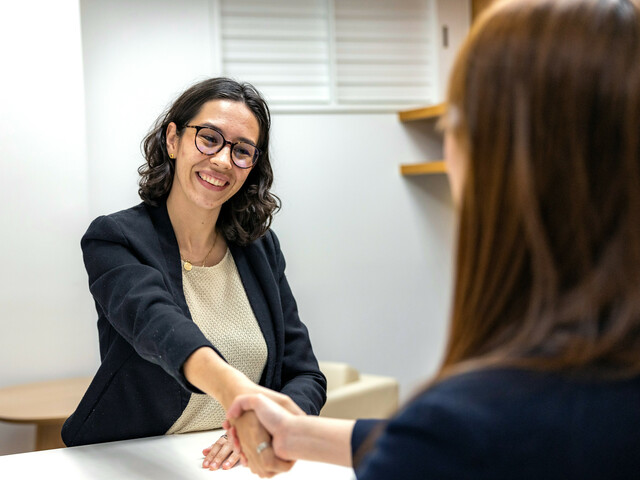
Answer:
[(170, 250)]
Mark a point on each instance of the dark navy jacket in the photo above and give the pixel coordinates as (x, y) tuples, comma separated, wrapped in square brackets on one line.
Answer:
[(510, 424), (146, 332)]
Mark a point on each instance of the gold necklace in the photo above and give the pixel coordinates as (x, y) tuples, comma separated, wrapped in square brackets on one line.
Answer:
[(189, 265)]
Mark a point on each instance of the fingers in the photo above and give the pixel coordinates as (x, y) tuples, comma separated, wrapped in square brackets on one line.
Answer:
[(285, 402), (241, 404), (253, 438), (273, 464), (267, 464), (269, 413), (231, 460), (220, 454), (255, 418), (233, 436)]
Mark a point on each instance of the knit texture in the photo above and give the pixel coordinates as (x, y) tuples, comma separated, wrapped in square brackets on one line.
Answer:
[(219, 306)]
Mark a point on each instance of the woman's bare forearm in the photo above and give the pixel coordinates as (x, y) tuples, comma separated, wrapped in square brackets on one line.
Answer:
[(319, 439), (206, 370)]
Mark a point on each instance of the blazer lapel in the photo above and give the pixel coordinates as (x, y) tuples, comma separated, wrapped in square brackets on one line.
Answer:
[(170, 252), (259, 304)]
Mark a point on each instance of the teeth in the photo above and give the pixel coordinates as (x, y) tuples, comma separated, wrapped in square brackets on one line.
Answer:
[(212, 180)]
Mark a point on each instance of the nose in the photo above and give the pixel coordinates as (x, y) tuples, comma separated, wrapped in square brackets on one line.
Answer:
[(223, 157)]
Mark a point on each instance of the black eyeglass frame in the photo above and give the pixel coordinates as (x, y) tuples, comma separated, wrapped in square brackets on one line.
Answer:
[(225, 142)]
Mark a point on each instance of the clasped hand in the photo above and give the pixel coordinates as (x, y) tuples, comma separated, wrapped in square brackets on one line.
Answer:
[(246, 434), (254, 425)]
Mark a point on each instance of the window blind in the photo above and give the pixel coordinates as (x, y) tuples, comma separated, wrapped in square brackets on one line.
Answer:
[(384, 51), (333, 53), (281, 46)]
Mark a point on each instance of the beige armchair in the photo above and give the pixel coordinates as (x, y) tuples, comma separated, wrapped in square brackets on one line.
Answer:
[(351, 394)]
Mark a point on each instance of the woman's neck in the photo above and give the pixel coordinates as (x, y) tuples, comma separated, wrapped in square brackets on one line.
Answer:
[(194, 227)]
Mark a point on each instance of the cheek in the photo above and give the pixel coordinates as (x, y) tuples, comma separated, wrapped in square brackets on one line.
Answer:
[(455, 165), (242, 177), (180, 166)]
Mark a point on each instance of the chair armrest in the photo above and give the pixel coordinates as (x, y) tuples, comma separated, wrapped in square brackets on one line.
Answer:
[(372, 396), (338, 374)]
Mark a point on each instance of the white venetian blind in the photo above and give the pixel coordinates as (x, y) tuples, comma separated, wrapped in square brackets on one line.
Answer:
[(281, 46), (385, 51), (333, 53)]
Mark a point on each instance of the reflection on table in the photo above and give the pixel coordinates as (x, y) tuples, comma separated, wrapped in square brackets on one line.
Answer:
[(167, 457)]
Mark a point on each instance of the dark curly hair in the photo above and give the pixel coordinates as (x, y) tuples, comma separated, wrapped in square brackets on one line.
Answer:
[(247, 215)]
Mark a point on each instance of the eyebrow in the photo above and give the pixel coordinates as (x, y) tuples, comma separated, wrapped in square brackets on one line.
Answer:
[(219, 130)]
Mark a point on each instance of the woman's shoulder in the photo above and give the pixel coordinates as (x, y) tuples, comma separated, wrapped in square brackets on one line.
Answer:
[(503, 394), (126, 216), (140, 221), (497, 384), (495, 422)]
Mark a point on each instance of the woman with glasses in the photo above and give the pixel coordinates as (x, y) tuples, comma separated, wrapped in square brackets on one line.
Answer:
[(193, 303), (541, 375)]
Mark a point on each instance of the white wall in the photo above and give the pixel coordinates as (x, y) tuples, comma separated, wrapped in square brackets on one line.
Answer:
[(454, 16), (45, 314), (138, 56), (368, 250)]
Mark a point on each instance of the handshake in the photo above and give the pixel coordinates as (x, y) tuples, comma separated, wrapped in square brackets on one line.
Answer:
[(259, 427), (268, 432)]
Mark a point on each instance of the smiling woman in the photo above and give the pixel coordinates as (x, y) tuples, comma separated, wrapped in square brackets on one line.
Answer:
[(193, 304), (205, 181)]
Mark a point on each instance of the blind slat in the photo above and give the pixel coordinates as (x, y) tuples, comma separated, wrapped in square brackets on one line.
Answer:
[(383, 52)]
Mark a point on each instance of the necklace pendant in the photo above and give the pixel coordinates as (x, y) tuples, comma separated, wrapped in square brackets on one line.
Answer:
[(188, 266)]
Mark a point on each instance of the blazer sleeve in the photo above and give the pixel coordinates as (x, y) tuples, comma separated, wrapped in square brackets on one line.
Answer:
[(302, 379), (364, 430), (435, 436), (133, 295)]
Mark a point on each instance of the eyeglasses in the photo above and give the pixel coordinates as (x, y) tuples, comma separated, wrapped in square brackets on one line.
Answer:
[(209, 142)]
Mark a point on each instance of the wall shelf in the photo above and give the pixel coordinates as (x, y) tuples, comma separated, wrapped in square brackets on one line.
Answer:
[(424, 113), (431, 112), (425, 168)]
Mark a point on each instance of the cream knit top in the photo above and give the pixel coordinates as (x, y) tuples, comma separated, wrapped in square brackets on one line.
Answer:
[(219, 306)]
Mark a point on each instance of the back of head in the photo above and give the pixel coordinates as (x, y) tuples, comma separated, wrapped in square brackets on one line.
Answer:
[(545, 100)]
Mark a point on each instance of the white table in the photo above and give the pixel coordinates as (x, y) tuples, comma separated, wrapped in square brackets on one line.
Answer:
[(158, 458)]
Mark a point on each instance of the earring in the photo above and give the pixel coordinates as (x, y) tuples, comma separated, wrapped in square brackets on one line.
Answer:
[(171, 156)]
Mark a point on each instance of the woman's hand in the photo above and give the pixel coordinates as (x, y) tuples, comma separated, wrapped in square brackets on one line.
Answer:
[(281, 399), (292, 436), (272, 416), (200, 369), (221, 454), (253, 437)]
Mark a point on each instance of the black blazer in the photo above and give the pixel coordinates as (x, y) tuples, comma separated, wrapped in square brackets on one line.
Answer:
[(510, 424), (146, 332)]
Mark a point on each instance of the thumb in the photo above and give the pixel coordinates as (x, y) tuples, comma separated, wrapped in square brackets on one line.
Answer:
[(238, 407)]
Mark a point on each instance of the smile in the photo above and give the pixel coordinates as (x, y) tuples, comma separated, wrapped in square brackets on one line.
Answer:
[(212, 180)]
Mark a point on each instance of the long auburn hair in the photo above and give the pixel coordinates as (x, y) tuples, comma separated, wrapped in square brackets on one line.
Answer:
[(545, 103), (247, 215)]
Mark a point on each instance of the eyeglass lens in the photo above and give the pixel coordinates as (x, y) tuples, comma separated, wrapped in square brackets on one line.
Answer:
[(211, 142)]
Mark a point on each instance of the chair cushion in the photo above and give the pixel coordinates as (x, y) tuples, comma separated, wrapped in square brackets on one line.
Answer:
[(338, 374)]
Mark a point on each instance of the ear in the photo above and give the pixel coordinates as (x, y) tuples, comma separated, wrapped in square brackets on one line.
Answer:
[(173, 140)]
